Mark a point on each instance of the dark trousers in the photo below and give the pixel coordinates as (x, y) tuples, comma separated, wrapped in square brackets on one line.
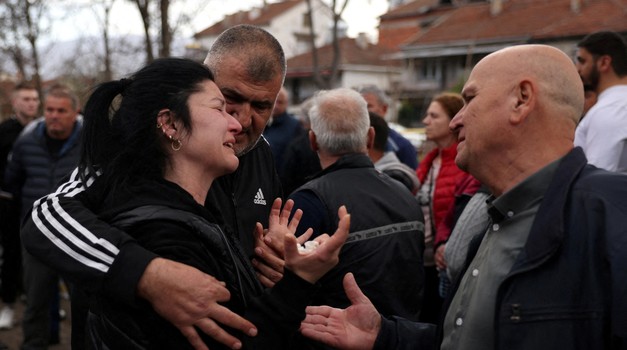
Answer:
[(41, 285), (432, 301), (11, 270)]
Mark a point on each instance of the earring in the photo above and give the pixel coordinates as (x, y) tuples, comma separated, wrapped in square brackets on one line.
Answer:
[(176, 144), (159, 125)]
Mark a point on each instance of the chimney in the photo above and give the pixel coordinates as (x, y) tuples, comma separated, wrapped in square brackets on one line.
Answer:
[(496, 7), (575, 6)]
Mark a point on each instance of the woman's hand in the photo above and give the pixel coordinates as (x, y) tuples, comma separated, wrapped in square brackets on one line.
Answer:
[(269, 244), (311, 265)]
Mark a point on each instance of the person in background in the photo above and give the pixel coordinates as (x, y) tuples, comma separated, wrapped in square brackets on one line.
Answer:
[(44, 154), (300, 161), (249, 67), (159, 201), (602, 64), (387, 162), (440, 179), (25, 103), (282, 128), (549, 272), (385, 245), (378, 102)]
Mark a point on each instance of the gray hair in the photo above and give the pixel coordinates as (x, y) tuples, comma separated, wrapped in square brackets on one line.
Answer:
[(262, 53), (62, 91), (382, 97), (340, 120)]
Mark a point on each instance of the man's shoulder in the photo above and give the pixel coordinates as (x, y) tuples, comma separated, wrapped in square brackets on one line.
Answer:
[(601, 183)]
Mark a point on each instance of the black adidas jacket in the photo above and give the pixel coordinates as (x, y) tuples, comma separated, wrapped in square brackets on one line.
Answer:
[(64, 231)]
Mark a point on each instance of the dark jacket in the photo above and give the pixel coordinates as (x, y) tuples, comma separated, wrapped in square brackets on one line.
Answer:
[(32, 171), (283, 129), (9, 131), (114, 262), (567, 289), (245, 196), (166, 220), (384, 249)]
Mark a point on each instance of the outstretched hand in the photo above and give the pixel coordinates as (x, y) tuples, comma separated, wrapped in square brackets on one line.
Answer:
[(187, 297), (311, 265), (353, 328), (270, 243)]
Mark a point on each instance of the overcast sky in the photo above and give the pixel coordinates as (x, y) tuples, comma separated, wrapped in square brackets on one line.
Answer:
[(361, 16)]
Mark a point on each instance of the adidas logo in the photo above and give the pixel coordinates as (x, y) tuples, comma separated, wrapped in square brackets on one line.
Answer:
[(259, 199)]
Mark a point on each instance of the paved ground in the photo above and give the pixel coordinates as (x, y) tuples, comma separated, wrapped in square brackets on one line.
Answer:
[(13, 337)]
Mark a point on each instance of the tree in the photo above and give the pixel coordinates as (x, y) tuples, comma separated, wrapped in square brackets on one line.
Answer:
[(143, 7), (106, 41), (167, 24), (22, 21), (320, 81)]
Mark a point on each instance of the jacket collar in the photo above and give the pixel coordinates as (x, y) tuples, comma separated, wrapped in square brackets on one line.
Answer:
[(547, 231), (347, 161)]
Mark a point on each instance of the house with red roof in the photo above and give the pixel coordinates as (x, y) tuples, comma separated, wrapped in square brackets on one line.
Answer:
[(451, 38), (286, 20)]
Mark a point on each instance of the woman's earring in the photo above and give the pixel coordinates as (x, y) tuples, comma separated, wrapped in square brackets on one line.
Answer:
[(176, 144)]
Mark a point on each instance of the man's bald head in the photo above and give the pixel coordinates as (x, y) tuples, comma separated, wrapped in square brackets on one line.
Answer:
[(560, 87)]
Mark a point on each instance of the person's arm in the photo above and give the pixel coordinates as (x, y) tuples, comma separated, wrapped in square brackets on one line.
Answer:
[(361, 327), (14, 176), (71, 239), (282, 307)]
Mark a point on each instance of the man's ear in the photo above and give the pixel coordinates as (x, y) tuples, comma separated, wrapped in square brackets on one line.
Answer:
[(525, 101), (604, 63), (313, 143), (370, 138)]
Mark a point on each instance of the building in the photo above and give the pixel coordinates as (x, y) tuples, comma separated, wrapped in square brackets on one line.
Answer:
[(452, 37), (287, 20)]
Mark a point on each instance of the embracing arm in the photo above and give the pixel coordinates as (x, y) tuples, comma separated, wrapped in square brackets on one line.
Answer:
[(63, 233), (70, 238)]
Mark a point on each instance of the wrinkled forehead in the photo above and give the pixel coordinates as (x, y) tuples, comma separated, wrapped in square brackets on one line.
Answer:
[(233, 79)]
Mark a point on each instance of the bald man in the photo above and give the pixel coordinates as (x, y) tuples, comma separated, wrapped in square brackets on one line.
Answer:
[(549, 272)]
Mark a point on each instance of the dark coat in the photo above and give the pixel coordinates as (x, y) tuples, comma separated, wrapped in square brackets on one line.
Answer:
[(567, 289)]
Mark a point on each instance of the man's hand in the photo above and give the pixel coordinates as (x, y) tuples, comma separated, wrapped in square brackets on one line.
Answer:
[(187, 297), (268, 264), (353, 328)]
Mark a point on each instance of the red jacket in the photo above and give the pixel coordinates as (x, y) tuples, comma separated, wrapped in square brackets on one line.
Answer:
[(445, 185)]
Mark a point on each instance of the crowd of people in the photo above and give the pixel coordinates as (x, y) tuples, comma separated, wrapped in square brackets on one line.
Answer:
[(186, 208)]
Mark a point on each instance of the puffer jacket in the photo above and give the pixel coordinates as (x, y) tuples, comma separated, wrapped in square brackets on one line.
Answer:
[(446, 183), (32, 171)]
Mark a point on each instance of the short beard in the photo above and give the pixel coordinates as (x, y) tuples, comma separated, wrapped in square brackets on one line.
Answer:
[(593, 79), (247, 148)]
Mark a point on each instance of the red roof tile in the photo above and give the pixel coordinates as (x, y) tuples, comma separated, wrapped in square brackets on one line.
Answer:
[(264, 17), (529, 20), (352, 54)]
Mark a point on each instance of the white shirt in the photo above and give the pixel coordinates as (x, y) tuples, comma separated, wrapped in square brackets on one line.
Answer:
[(603, 132)]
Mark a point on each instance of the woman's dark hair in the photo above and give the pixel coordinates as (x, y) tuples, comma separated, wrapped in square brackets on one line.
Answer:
[(120, 135)]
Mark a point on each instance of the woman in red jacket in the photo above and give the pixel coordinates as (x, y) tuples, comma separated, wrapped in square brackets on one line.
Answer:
[(440, 178)]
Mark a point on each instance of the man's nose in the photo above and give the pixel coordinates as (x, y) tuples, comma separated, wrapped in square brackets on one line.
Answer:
[(243, 113)]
